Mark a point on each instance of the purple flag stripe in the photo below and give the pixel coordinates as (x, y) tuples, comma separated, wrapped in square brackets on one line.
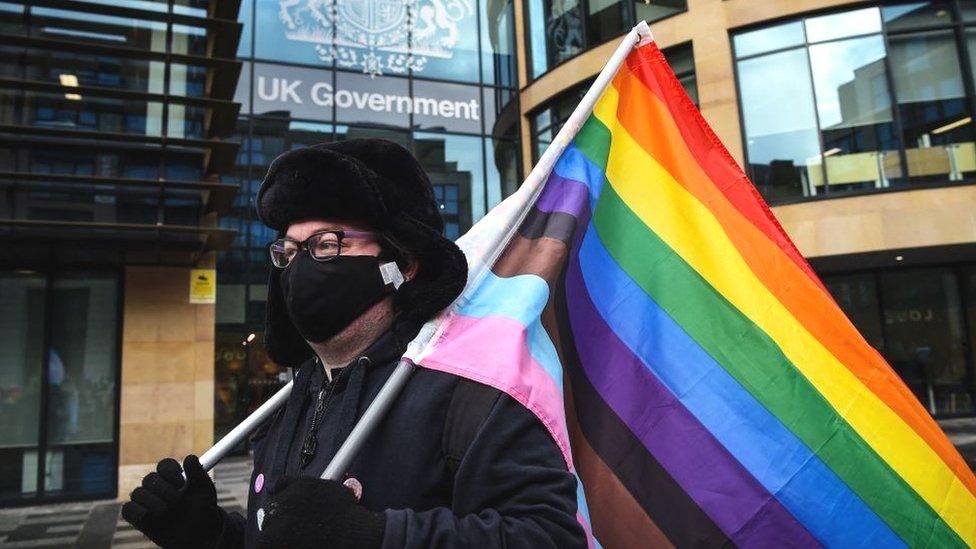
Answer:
[(563, 195)]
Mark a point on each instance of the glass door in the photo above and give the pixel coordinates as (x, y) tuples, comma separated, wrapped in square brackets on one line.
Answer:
[(22, 310), (59, 367)]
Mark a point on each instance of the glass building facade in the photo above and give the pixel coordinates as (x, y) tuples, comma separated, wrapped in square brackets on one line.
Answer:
[(860, 100), (437, 77), (558, 30), (112, 124)]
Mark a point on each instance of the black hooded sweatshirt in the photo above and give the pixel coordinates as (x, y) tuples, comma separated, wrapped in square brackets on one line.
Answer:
[(510, 489)]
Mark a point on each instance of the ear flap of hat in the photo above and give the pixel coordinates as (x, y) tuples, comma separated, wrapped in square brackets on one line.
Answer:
[(285, 345), (442, 272)]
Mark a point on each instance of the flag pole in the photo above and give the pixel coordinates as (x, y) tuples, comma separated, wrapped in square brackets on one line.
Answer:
[(244, 428), (639, 35)]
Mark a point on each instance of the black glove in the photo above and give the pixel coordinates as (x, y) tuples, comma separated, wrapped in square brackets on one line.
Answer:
[(311, 512), (174, 513)]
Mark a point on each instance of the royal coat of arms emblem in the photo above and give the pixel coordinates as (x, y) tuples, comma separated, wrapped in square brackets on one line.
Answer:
[(377, 36)]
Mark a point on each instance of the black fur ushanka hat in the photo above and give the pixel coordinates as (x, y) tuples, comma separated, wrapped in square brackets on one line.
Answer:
[(367, 180)]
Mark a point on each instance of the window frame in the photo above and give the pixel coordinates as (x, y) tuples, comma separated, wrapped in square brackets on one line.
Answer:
[(957, 26)]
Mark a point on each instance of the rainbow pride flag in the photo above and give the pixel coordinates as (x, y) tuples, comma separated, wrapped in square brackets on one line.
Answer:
[(645, 304)]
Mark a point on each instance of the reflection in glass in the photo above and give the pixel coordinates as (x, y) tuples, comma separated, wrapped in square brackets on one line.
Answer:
[(82, 360), (245, 16), (498, 42), (447, 38), (104, 29), (81, 374), (92, 113), (969, 291), (273, 136), (556, 32), (22, 298), (916, 14), (606, 19), (189, 40), (547, 122), (503, 169), (768, 39), (83, 69), (282, 36), (840, 25), (655, 10), (85, 203), (937, 125), (924, 337), (780, 124), (854, 107), (454, 164)]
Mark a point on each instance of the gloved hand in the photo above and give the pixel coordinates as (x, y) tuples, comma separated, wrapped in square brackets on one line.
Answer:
[(174, 513), (307, 512)]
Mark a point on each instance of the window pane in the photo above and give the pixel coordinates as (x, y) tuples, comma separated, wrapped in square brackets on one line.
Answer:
[(448, 107), (780, 123), (503, 169), (294, 92), (444, 45), (556, 32), (839, 25), (89, 113), (854, 108), (916, 14), (22, 299), (931, 101), (970, 295), (924, 337), (968, 10), (295, 33), (190, 40), (354, 99), (454, 164), (606, 19), (498, 42), (768, 39), (547, 122), (99, 29), (83, 358), (82, 365), (244, 14), (654, 10), (82, 69)]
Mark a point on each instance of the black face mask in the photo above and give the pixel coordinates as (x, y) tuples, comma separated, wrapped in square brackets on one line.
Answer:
[(323, 297)]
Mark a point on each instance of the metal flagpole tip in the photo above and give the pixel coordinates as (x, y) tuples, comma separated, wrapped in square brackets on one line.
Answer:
[(644, 35)]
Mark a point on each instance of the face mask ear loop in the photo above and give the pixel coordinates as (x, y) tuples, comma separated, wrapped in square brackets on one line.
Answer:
[(391, 274)]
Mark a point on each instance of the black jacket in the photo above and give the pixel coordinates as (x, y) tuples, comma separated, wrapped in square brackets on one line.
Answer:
[(511, 488)]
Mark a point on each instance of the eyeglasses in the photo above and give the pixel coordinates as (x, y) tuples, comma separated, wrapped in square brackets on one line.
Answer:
[(322, 246)]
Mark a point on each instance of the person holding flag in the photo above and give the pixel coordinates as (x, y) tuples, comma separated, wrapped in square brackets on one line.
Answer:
[(361, 264), (637, 296)]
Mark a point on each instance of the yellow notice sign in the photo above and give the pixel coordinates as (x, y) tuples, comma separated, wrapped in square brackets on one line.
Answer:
[(203, 286)]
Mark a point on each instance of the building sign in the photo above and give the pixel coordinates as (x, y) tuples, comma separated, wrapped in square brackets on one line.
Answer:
[(377, 36), (203, 286), (298, 92)]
